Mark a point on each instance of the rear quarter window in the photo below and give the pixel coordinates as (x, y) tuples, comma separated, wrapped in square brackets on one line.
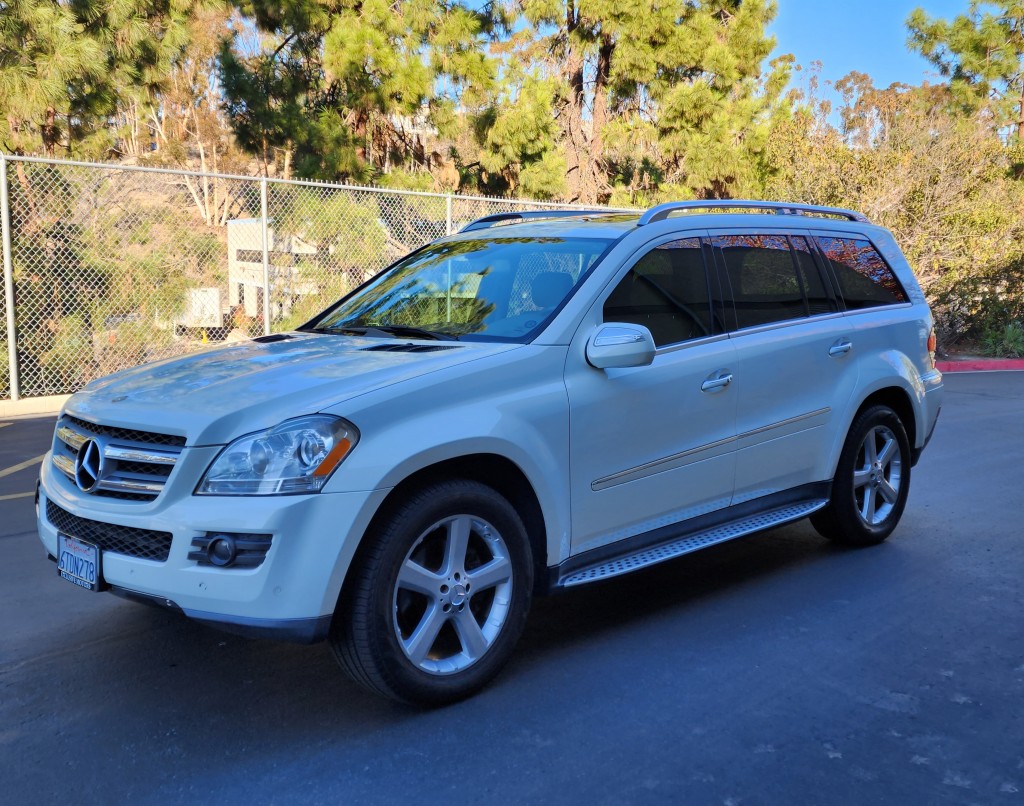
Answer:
[(865, 279)]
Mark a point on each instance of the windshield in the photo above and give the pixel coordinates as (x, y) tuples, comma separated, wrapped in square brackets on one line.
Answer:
[(496, 289)]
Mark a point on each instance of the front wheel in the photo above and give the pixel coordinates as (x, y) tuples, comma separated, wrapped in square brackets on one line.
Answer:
[(438, 600), (872, 481)]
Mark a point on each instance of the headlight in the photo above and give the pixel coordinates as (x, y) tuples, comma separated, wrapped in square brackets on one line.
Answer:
[(297, 456)]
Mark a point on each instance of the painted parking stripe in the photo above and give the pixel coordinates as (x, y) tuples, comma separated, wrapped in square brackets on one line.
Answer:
[(4, 425), (15, 495), (15, 468)]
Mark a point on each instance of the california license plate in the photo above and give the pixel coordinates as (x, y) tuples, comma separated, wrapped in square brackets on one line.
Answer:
[(79, 562)]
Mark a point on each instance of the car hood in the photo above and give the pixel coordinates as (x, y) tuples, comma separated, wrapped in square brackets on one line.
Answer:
[(216, 395)]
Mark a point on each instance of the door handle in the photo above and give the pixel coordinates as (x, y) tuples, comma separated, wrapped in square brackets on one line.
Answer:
[(840, 348), (711, 384)]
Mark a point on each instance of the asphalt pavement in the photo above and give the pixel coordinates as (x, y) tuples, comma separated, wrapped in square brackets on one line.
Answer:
[(776, 669)]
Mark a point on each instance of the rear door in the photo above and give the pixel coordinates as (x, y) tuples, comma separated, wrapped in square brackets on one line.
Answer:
[(795, 367)]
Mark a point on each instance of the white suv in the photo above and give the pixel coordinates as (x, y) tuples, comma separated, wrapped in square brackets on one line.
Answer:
[(542, 401)]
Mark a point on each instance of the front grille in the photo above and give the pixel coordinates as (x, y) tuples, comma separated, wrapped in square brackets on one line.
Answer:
[(129, 434), (130, 541), (135, 465)]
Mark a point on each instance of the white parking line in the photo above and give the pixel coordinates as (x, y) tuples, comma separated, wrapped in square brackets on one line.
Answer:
[(4, 425), (15, 468), (15, 495)]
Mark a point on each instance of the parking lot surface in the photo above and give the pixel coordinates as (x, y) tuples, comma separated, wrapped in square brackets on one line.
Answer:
[(774, 669)]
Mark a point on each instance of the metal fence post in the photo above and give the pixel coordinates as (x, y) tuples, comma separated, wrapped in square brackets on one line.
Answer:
[(448, 214), (5, 225), (266, 255)]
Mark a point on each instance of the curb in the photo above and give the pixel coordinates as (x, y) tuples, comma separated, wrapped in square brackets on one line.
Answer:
[(32, 406), (981, 365)]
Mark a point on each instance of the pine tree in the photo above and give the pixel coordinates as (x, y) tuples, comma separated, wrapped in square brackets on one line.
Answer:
[(345, 83), (982, 54), (682, 78), (65, 66)]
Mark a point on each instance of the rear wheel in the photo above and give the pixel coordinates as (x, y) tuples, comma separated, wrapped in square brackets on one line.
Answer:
[(439, 598), (872, 481)]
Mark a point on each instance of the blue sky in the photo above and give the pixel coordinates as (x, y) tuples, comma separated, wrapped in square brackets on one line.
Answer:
[(869, 36)]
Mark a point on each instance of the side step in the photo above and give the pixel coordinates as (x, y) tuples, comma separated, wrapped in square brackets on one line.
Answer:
[(689, 543)]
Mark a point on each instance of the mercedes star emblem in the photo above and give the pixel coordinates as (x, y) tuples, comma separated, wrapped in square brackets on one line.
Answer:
[(88, 465)]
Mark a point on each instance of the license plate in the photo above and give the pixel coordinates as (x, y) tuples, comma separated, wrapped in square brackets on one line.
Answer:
[(79, 562)]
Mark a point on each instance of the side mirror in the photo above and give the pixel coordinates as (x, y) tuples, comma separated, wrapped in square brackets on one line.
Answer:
[(620, 345)]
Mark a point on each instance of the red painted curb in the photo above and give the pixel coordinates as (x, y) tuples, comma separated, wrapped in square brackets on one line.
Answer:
[(981, 365)]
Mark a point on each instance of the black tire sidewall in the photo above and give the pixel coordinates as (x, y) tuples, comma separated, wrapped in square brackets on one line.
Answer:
[(459, 497), (844, 503)]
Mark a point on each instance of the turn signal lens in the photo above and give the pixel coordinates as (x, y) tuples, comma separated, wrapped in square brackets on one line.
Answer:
[(932, 344)]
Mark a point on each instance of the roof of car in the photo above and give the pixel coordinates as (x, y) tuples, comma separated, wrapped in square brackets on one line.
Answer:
[(614, 224)]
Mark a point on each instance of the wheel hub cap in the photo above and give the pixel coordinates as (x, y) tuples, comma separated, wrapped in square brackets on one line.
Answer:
[(457, 595)]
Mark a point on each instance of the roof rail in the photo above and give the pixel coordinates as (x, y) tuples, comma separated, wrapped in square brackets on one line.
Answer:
[(661, 212), (497, 218)]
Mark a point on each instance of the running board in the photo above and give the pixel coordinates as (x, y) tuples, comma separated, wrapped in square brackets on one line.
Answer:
[(690, 543)]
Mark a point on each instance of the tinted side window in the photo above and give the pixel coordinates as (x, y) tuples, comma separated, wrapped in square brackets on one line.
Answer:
[(666, 292), (818, 299), (766, 286), (865, 281)]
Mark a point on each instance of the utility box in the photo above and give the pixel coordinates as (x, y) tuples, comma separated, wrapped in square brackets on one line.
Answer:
[(204, 307)]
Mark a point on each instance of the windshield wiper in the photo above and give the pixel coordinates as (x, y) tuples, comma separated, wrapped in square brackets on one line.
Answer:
[(387, 330)]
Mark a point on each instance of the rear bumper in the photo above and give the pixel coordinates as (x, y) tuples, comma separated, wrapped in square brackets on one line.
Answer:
[(932, 407)]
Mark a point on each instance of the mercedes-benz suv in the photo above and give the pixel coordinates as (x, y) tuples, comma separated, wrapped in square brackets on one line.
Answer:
[(542, 401)]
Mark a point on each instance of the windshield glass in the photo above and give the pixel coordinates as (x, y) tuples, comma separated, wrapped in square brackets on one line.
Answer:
[(488, 289)]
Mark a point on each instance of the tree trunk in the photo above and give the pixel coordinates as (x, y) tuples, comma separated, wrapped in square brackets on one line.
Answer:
[(49, 131), (598, 179), (577, 164)]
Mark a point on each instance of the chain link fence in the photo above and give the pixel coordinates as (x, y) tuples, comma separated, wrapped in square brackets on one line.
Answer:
[(107, 267)]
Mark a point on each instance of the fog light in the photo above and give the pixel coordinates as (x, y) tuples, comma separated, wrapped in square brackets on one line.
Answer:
[(235, 550), (222, 550)]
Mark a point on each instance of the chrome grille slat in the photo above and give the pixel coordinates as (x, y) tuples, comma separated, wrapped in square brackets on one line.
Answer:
[(152, 456), (123, 485), (70, 437), (135, 466), (65, 465)]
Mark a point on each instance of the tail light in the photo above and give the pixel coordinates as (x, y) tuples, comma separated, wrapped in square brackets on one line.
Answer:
[(932, 342)]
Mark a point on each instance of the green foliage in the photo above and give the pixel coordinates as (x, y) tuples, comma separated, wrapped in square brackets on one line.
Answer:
[(517, 135), (982, 54), (5, 370), (64, 67), (1006, 341), (337, 80)]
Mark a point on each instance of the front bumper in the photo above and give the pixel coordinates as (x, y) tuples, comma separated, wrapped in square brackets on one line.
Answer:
[(291, 595)]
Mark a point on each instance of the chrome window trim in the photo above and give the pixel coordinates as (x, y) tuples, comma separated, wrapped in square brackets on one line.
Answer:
[(820, 317), (682, 345)]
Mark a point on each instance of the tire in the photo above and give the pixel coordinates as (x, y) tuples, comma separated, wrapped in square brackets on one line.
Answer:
[(438, 599), (872, 481)]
